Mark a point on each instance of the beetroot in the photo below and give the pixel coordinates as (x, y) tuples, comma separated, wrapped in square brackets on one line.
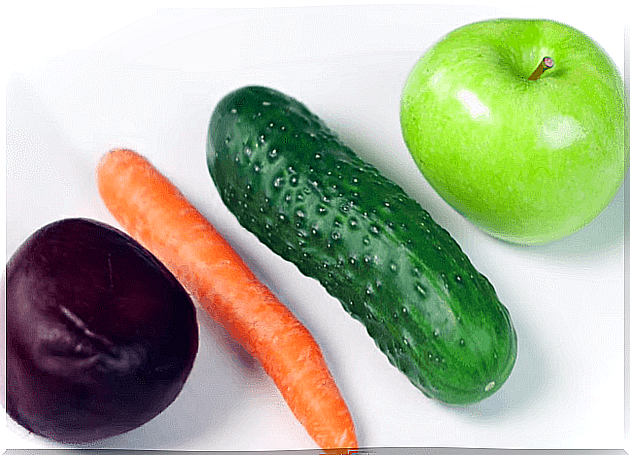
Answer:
[(100, 336)]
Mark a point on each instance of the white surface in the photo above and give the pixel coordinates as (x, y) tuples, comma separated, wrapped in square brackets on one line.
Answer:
[(152, 86)]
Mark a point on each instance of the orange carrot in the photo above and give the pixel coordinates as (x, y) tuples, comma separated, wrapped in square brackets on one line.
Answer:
[(153, 211)]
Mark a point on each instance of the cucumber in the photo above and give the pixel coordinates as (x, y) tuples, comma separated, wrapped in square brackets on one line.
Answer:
[(312, 200)]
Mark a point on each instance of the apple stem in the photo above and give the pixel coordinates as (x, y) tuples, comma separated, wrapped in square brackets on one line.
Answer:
[(544, 65)]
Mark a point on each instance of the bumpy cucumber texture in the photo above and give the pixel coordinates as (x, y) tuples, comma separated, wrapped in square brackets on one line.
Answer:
[(312, 200)]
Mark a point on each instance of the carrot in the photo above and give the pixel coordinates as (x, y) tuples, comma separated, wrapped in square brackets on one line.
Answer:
[(153, 211)]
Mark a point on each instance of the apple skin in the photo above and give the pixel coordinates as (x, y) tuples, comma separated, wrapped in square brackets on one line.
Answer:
[(527, 161)]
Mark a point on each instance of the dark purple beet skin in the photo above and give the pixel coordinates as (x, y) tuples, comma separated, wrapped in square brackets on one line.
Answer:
[(100, 336)]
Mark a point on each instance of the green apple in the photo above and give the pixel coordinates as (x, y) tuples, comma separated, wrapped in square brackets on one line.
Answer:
[(520, 125)]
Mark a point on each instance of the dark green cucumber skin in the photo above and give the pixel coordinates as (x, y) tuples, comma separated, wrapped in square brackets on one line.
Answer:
[(312, 200)]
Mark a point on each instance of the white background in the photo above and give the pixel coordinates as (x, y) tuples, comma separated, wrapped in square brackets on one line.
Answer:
[(81, 80)]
